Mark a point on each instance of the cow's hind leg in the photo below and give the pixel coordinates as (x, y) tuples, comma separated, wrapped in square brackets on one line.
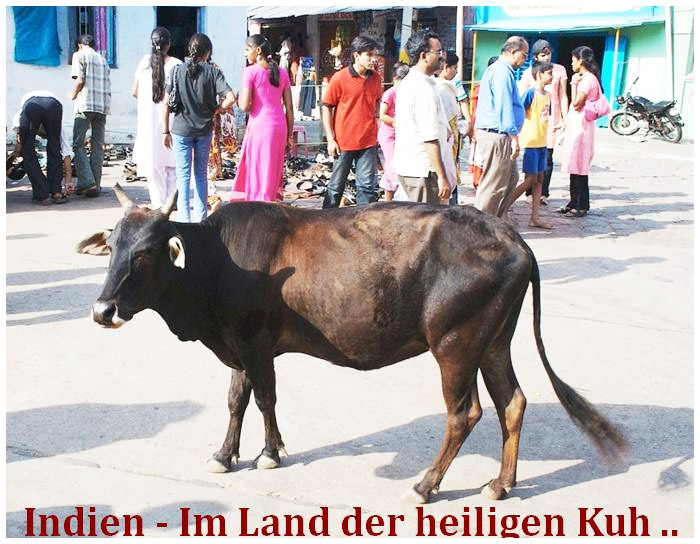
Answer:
[(509, 400), (238, 398), (264, 388), (463, 412)]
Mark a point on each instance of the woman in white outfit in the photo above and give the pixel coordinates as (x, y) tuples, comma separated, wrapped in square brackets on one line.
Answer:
[(153, 160)]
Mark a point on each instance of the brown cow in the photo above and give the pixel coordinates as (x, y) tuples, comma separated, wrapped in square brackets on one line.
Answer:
[(359, 287)]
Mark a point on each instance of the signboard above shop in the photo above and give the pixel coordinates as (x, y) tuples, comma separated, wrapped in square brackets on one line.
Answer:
[(512, 18)]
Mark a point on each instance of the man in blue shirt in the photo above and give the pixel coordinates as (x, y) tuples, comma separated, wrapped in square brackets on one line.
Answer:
[(499, 118)]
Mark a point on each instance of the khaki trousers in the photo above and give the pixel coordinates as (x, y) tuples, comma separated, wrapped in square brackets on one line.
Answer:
[(500, 172), (421, 189)]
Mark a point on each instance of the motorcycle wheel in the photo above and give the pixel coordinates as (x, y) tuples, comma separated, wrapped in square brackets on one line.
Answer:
[(624, 123), (670, 130)]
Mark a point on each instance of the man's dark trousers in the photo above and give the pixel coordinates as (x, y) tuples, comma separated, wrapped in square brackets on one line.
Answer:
[(46, 111)]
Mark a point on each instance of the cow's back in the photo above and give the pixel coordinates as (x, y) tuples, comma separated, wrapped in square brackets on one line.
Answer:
[(359, 286)]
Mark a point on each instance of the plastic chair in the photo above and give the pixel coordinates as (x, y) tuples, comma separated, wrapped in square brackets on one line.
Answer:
[(296, 130)]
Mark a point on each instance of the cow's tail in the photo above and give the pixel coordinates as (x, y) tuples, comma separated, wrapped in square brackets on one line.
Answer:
[(608, 439)]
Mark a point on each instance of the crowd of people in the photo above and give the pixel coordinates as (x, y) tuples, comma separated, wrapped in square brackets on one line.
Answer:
[(419, 124)]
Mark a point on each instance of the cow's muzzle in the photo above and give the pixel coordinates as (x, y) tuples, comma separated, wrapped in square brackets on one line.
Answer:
[(106, 314)]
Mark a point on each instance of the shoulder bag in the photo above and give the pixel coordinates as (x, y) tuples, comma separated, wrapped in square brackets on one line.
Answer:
[(595, 109), (174, 101)]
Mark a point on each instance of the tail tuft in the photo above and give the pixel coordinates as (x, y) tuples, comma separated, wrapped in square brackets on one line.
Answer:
[(609, 440)]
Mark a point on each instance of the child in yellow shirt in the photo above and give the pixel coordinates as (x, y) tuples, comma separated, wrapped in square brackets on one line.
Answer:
[(533, 138)]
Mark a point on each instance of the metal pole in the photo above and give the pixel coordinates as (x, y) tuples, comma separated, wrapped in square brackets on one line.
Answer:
[(406, 24), (459, 41), (669, 53), (614, 68), (472, 83)]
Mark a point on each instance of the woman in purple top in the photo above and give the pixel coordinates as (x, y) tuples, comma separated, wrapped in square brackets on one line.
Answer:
[(386, 136), (266, 95)]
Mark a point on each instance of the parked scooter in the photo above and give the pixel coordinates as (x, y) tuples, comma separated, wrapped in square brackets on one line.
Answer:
[(659, 117)]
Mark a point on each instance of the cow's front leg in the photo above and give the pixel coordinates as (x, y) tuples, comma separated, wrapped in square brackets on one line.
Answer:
[(264, 388), (238, 398)]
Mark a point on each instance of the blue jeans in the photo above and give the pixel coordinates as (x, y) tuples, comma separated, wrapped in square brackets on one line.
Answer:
[(184, 146), (366, 177)]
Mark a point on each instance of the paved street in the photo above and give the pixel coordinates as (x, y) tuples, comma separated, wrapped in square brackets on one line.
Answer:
[(124, 420)]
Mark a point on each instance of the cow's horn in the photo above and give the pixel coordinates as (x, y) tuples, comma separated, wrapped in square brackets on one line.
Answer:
[(124, 200), (169, 205)]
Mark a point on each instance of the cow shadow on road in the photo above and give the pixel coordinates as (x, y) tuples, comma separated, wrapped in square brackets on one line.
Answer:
[(654, 434), (47, 276), (57, 303), (559, 271), (69, 428)]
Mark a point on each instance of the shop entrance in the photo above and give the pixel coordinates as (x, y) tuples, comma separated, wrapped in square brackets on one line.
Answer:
[(562, 45), (567, 43), (182, 24)]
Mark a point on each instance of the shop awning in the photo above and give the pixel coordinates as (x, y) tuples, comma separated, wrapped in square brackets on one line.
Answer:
[(548, 18), (277, 12)]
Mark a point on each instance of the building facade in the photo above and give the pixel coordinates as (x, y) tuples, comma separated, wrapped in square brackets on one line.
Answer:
[(123, 36), (650, 44)]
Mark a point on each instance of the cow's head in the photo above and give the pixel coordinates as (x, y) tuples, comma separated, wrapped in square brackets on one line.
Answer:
[(144, 251)]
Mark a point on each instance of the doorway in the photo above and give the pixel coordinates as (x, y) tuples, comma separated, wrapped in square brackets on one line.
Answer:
[(567, 43), (182, 22)]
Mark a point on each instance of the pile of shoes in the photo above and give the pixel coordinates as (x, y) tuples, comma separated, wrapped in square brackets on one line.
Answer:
[(306, 179), (129, 174), (114, 152), (228, 166), (14, 169)]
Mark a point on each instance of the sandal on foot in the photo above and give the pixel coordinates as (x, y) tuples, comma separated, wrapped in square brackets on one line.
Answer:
[(83, 190), (577, 213), (564, 209), (59, 198)]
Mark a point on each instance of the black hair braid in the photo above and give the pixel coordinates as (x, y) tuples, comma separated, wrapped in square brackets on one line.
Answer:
[(160, 40)]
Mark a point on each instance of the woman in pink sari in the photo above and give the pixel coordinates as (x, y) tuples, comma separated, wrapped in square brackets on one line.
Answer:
[(579, 138), (266, 95)]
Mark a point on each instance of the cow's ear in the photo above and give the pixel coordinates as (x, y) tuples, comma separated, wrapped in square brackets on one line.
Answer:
[(177, 251), (95, 244)]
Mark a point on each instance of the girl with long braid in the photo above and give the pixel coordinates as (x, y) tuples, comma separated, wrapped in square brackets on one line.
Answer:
[(153, 160), (267, 97)]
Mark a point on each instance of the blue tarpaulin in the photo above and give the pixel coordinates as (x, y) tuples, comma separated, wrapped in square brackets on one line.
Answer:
[(36, 35)]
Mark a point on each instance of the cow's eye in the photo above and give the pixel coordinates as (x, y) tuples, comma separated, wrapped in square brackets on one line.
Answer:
[(140, 255)]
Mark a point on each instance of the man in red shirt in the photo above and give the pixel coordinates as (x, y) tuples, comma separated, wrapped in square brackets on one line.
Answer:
[(350, 121)]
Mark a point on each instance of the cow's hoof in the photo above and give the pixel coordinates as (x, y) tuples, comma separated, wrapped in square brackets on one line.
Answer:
[(219, 465), (494, 491), (263, 462), (414, 496)]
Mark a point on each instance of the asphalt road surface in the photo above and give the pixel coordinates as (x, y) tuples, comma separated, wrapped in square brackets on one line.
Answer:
[(109, 430)]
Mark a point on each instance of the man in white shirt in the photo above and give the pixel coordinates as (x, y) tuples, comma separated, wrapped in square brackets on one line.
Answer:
[(420, 124)]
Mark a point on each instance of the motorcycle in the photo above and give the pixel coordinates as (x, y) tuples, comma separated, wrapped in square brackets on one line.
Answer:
[(660, 117)]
